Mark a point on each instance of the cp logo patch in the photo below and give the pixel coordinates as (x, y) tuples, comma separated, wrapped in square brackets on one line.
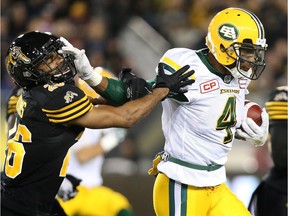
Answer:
[(209, 86)]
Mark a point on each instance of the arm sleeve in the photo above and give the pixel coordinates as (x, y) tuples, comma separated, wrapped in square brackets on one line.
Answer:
[(115, 92), (173, 60)]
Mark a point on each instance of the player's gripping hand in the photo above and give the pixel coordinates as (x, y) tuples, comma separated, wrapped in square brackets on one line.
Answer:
[(82, 64), (135, 87), (254, 134), (176, 81), (68, 188)]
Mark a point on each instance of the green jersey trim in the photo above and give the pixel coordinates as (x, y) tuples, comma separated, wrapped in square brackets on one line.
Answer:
[(202, 54)]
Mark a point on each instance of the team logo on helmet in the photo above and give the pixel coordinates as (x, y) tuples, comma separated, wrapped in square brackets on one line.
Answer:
[(228, 32), (14, 56)]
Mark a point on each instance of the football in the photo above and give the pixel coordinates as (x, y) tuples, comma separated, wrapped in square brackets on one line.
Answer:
[(253, 110)]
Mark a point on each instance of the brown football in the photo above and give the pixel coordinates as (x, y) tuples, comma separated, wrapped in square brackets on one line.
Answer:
[(253, 111)]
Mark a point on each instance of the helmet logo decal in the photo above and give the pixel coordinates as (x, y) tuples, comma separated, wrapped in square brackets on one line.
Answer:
[(228, 32), (13, 57), (69, 96), (16, 55)]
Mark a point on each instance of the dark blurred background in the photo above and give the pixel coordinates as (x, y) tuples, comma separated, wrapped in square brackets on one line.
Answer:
[(136, 33)]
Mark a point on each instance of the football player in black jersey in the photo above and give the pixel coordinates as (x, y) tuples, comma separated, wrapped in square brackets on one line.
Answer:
[(52, 112), (270, 197)]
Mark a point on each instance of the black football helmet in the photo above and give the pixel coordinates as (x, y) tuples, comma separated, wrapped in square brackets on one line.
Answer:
[(27, 51)]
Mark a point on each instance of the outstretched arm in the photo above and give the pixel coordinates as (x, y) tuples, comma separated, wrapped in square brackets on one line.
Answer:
[(130, 113), (133, 111), (125, 116)]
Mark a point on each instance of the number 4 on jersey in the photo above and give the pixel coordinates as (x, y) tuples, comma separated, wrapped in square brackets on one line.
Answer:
[(227, 119)]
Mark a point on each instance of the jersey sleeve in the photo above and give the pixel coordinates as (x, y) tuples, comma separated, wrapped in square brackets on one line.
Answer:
[(173, 60), (65, 104)]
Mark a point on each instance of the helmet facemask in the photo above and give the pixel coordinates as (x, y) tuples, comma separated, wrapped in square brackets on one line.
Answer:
[(61, 73), (244, 53)]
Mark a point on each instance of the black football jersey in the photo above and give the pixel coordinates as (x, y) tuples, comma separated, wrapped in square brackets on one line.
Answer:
[(37, 151)]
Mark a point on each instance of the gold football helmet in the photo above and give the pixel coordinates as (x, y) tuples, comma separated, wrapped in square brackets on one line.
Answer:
[(235, 30)]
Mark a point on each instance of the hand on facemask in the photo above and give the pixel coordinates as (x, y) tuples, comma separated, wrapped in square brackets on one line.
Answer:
[(84, 69)]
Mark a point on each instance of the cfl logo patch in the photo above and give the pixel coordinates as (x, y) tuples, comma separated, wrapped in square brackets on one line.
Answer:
[(243, 83), (209, 86), (228, 32)]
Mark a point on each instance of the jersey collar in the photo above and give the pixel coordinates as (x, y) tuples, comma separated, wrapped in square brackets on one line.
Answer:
[(202, 54)]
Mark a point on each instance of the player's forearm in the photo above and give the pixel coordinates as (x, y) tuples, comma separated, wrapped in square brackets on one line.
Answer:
[(112, 90), (124, 116), (136, 110)]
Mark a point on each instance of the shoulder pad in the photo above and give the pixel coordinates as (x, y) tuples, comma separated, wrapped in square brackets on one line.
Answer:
[(65, 103)]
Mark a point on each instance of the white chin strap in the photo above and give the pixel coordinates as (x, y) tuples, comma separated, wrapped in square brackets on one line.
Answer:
[(237, 75)]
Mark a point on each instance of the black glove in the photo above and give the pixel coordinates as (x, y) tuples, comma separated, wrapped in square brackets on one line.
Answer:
[(135, 87), (176, 81)]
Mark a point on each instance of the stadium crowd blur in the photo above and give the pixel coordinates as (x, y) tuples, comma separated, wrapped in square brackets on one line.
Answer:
[(95, 25)]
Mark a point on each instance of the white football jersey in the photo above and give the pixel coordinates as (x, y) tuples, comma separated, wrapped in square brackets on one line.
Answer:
[(199, 126)]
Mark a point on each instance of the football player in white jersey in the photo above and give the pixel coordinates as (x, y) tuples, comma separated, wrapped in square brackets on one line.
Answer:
[(200, 125)]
